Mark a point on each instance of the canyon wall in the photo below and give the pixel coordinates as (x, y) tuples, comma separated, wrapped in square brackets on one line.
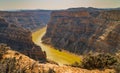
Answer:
[(30, 19), (20, 39), (81, 30)]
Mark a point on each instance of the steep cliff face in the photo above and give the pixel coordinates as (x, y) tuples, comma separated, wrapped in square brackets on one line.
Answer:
[(29, 19), (84, 29), (19, 39)]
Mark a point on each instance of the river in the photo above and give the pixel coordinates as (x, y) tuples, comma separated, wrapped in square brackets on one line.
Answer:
[(61, 57)]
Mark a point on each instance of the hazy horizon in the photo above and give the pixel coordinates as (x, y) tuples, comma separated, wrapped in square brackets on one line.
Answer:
[(56, 4)]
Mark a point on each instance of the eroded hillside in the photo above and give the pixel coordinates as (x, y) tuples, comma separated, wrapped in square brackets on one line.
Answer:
[(20, 39), (82, 30), (14, 62)]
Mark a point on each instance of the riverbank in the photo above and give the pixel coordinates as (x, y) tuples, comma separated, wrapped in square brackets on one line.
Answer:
[(61, 57)]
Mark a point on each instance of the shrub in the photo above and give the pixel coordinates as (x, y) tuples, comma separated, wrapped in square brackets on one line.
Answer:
[(76, 64), (117, 66), (51, 70), (99, 61), (16, 53), (1, 56)]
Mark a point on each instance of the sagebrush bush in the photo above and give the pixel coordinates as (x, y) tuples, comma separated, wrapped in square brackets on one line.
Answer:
[(51, 70), (117, 66), (99, 61), (76, 64)]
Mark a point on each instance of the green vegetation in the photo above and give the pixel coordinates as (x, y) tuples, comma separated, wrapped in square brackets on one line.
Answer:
[(117, 66), (3, 49), (51, 70), (8, 65), (16, 64), (61, 57), (12, 65), (76, 64), (99, 61)]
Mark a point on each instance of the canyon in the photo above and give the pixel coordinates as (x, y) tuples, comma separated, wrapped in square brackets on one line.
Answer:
[(68, 36), (83, 30), (29, 19), (20, 39), (16, 27)]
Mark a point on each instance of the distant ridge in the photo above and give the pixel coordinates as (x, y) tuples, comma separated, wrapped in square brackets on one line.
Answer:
[(29, 19)]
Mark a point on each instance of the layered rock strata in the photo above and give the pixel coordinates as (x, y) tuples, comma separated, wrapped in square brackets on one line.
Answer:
[(29, 19), (20, 39), (82, 30)]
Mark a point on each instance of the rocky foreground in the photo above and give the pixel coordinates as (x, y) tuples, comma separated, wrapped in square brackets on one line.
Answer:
[(13, 62)]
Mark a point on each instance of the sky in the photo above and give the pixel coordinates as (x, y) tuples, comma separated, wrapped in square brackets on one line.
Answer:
[(56, 4)]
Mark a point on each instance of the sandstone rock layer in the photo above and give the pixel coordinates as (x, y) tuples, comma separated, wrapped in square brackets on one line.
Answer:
[(82, 30), (20, 39)]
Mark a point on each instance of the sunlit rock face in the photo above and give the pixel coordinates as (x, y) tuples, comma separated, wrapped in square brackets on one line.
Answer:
[(30, 19), (19, 39), (81, 30)]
